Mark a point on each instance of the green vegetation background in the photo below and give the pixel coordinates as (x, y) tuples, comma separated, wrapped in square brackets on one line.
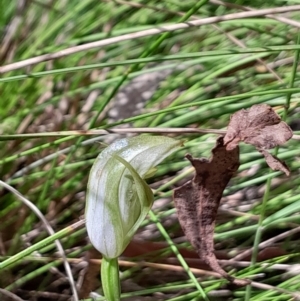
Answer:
[(188, 78)]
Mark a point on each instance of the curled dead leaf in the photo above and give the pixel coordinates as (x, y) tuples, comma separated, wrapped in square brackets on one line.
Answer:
[(262, 127), (274, 162), (198, 200)]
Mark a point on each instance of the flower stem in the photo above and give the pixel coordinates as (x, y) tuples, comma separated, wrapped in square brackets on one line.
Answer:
[(110, 279)]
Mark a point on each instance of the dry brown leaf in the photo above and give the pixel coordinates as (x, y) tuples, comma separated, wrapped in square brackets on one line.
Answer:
[(262, 127), (198, 200), (274, 162)]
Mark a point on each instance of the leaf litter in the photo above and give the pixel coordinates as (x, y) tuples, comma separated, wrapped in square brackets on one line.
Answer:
[(262, 127), (197, 201)]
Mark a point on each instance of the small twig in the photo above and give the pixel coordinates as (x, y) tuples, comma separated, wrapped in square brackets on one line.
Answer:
[(268, 287), (238, 213), (50, 231), (245, 8), (244, 264), (171, 267), (12, 27), (263, 245), (145, 33), (49, 295), (93, 140), (296, 137), (156, 130), (113, 131), (10, 295), (196, 271)]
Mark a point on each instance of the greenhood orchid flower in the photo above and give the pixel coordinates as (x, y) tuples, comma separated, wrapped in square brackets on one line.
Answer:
[(118, 199)]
